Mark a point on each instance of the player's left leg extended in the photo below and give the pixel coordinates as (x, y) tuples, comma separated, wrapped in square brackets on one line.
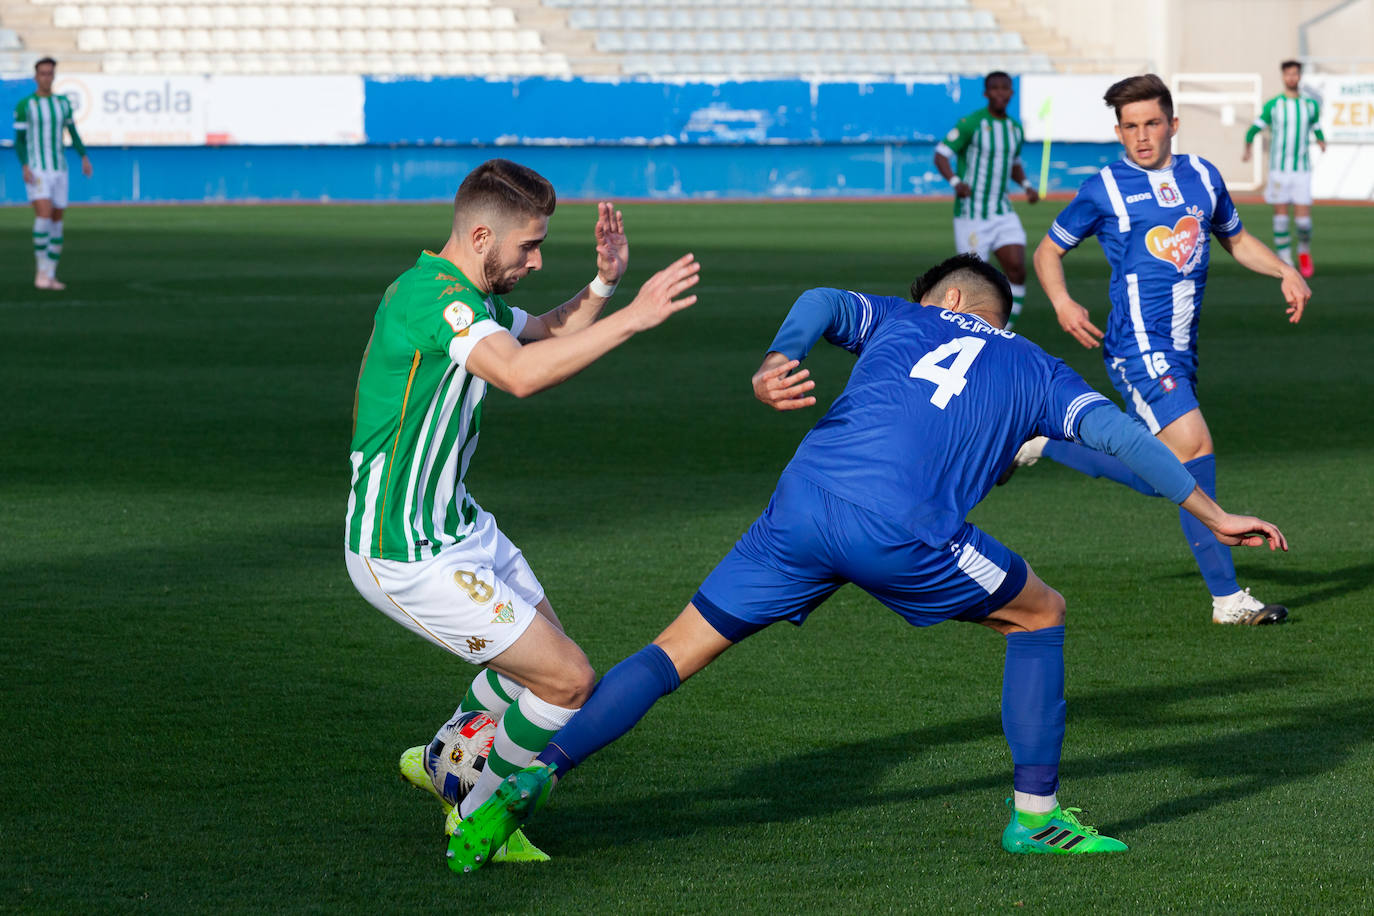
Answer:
[(1033, 719)]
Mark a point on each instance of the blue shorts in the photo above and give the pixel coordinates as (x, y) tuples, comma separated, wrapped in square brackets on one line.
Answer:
[(809, 542), (1153, 397)]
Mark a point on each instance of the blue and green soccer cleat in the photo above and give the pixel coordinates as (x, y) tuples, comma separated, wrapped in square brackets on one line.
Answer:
[(518, 798), (517, 849), (1057, 833)]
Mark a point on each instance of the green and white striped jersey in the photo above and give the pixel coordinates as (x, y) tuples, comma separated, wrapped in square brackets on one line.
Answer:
[(987, 148), (43, 118), (418, 412), (1290, 121)]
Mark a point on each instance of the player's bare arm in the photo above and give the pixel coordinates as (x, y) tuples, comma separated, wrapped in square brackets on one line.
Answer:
[(612, 260), (777, 385), (1073, 318), (942, 165), (1234, 530), (500, 360), (1253, 254), (1018, 175)]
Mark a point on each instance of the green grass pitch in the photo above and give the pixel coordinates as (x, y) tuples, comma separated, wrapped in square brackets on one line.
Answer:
[(202, 716)]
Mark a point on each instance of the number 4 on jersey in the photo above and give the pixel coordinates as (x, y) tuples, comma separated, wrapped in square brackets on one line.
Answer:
[(949, 380)]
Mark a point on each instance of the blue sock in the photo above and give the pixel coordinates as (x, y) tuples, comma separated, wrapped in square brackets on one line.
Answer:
[(1096, 464), (1033, 708), (1213, 557), (620, 700)]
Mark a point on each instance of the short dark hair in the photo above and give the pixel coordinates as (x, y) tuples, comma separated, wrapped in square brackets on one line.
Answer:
[(996, 74), (964, 269), (505, 188), (1140, 89), (1291, 63), (41, 61)]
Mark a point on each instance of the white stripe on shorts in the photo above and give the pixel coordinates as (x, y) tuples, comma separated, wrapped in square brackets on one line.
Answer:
[(981, 570)]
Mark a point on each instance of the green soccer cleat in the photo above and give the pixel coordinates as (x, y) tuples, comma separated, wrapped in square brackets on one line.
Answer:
[(519, 797), (519, 851), (1059, 834), (413, 771)]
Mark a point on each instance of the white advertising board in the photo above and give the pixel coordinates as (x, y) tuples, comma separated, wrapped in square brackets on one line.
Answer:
[(112, 110), (1073, 107), (269, 110)]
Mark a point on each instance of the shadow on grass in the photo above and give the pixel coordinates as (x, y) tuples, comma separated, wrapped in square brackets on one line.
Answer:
[(1298, 588), (1232, 760)]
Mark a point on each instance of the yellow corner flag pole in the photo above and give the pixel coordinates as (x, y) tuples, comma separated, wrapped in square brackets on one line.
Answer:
[(1045, 150)]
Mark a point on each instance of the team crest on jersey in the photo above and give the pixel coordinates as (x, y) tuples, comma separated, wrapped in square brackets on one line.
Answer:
[(1168, 195), (504, 614), (459, 316), (1182, 245)]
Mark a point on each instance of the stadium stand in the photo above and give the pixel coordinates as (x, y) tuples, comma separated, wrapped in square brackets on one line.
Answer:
[(658, 38)]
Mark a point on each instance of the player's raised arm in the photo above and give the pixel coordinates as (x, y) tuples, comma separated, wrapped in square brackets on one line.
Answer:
[(1073, 318), (500, 360), (612, 260), (1253, 254)]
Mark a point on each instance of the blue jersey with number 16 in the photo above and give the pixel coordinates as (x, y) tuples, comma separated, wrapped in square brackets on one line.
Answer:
[(935, 408)]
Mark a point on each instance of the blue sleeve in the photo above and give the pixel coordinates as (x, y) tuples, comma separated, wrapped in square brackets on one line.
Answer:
[(1067, 398), (1225, 218), (844, 318), (1080, 219), (1114, 433)]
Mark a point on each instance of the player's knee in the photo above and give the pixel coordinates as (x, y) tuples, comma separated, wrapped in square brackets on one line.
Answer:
[(1052, 610), (1016, 274), (572, 685)]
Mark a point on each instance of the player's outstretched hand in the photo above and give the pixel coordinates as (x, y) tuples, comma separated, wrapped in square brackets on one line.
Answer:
[(1296, 292), (781, 388), (659, 296), (1032, 196), (1248, 531), (612, 247), (1073, 318)]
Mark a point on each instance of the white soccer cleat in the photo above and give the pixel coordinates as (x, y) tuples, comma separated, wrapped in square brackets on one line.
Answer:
[(1246, 610), (1029, 453)]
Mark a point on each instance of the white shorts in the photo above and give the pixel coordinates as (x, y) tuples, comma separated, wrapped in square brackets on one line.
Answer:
[(984, 236), (474, 599), (1288, 188), (49, 184)]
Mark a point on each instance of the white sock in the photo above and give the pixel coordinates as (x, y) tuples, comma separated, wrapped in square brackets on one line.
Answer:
[(1035, 804), (55, 243), (42, 230), (531, 716), (1018, 299)]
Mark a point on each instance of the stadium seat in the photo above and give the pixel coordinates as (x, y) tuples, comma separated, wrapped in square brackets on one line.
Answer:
[(92, 40), (120, 39), (67, 17)]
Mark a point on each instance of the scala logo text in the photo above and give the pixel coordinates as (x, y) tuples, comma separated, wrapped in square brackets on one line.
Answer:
[(151, 100)]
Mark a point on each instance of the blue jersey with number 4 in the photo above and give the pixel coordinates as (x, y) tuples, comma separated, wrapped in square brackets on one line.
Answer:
[(935, 408), (1154, 226)]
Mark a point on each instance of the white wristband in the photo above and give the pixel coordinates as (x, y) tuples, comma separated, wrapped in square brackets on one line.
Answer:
[(955, 181), (1026, 185), (599, 287)]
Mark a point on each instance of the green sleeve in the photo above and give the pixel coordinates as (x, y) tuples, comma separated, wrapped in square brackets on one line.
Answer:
[(1265, 119), (21, 132), (76, 138), (961, 134), (1316, 121)]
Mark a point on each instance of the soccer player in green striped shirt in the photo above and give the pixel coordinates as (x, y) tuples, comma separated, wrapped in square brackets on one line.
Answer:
[(1290, 117), (419, 548), (39, 121), (987, 144)]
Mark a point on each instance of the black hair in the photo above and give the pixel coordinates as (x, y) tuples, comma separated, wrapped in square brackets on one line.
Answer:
[(995, 75), (970, 263), (1291, 63), (41, 61)]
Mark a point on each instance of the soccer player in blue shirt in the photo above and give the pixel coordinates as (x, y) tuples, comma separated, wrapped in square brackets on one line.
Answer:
[(939, 400), (1153, 213)]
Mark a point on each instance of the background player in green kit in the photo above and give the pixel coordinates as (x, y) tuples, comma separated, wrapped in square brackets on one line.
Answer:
[(39, 120), (987, 143), (418, 546), (1291, 117)]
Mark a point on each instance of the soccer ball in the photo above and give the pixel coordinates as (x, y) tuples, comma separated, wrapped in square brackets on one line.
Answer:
[(458, 754)]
